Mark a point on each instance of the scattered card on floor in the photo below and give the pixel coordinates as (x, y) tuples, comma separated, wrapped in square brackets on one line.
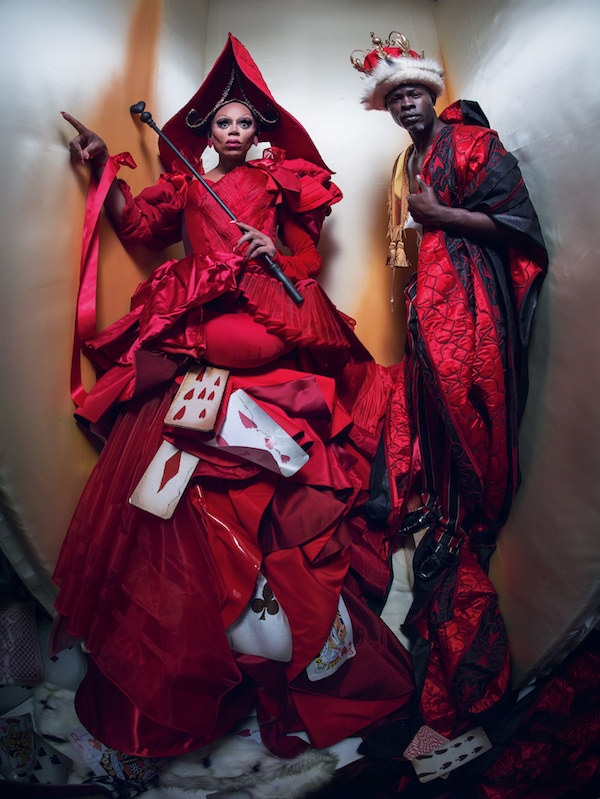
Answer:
[(453, 754), (424, 741)]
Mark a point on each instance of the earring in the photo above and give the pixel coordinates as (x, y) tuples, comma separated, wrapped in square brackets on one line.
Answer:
[(209, 141), (256, 141)]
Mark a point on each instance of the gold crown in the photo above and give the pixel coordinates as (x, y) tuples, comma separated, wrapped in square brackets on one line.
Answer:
[(395, 45)]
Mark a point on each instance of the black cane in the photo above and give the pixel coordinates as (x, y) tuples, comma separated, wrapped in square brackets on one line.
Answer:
[(275, 269)]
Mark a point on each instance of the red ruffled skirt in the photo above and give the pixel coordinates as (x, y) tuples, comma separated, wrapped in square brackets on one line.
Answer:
[(152, 598)]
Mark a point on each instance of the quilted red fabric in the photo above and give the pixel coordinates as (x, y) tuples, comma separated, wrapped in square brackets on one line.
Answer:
[(451, 434), (452, 428)]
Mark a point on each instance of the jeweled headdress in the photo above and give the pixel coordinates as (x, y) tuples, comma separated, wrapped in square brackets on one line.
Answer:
[(233, 92), (391, 63), (235, 76)]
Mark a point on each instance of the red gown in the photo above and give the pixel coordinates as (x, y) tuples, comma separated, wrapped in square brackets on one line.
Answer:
[(152, 598)]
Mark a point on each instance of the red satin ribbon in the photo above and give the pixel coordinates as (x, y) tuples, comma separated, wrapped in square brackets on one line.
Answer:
[(85, 319)]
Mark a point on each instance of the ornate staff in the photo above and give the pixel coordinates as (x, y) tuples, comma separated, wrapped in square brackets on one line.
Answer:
[(146, 116)]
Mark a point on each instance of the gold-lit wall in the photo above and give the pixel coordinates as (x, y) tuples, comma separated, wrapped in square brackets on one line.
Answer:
[(532, 65)]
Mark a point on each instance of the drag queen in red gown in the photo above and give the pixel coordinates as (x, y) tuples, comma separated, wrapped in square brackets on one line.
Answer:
[(155, 599)]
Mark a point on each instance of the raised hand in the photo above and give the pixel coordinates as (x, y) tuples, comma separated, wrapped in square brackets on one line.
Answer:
[(87, 146), (424, 206)]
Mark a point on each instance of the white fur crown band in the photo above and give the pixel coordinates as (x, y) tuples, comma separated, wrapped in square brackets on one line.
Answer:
[(392, 63)]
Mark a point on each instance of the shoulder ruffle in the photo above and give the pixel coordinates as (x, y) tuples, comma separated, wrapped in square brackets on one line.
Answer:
[(171, 188), (305, 186)]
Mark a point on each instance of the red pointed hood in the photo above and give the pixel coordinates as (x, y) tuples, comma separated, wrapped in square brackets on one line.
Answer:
[(235, 72)]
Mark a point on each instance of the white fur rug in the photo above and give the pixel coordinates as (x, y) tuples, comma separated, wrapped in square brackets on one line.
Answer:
[(234, 767)]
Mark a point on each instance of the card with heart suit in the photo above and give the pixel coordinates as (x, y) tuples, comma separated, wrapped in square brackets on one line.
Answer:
[(164, 481), (197, 401), (441, 760), (249, 432), (263, 628)]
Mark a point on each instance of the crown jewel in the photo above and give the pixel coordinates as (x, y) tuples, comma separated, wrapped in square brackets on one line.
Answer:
[(391, 63), (394, 46)]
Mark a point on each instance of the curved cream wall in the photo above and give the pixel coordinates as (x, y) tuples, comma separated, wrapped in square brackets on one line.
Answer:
[(534, 66)]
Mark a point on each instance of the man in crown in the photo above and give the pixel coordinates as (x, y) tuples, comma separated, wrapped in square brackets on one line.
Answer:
[(465, 232)]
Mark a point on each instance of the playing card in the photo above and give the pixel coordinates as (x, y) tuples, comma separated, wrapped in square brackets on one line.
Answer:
[(164, 481), (249, 432), (130, 767), (17, 755), (102, 760), (263, 628), (338, 648), (90, 749), (424, 741), (197, 401), (444, 759), (51, 766)]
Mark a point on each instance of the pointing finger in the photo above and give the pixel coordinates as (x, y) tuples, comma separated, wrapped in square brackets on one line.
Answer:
[(79, 126)]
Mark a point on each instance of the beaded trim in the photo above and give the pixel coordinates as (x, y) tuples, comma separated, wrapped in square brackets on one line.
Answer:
[(194, 121)]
